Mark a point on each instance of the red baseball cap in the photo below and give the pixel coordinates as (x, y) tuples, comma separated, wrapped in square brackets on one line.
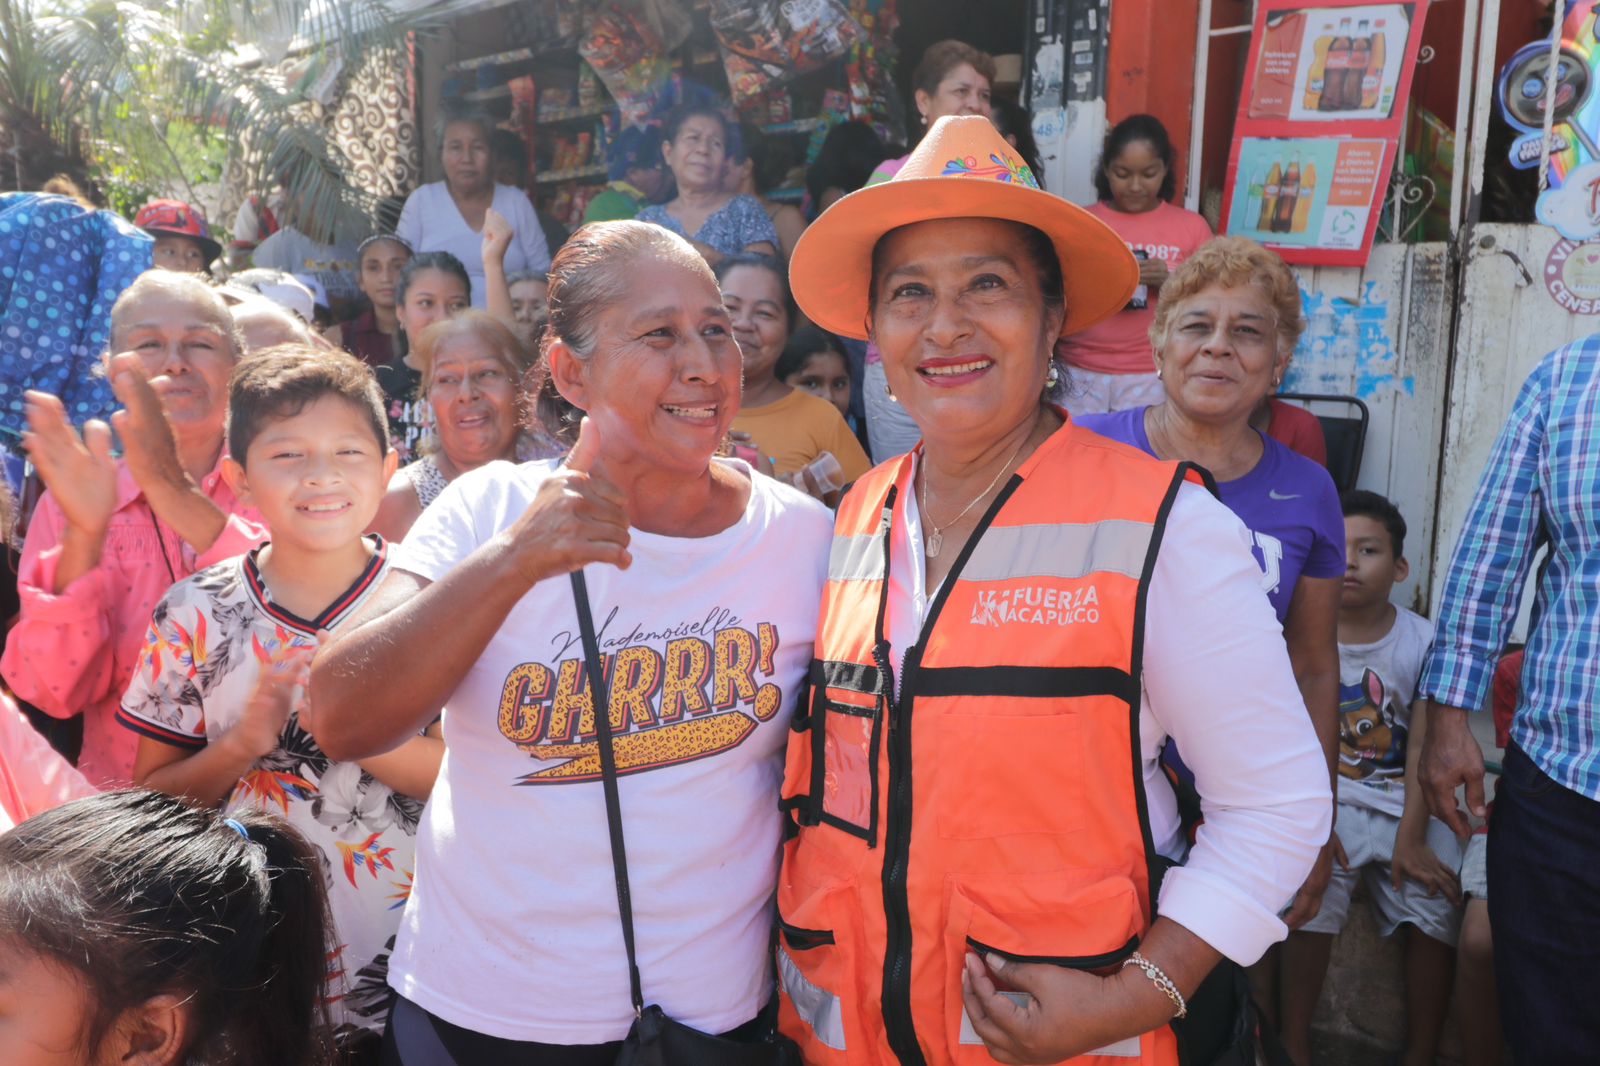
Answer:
[(174, 218)]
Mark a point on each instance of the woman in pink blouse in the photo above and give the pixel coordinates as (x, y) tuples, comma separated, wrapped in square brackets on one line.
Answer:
[(111, 535)]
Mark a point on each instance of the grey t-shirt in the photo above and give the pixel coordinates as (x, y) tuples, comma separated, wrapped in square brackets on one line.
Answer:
[(1377, 684)]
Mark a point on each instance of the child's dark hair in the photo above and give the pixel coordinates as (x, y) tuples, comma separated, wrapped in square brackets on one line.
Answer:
[(803, 344), (1145, 128), (729, 263), (141, 895), (280, 382), (1360, 502), (442, 261)]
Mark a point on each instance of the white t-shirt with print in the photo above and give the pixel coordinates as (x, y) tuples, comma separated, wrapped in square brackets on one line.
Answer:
[(1377, 685), (512, 928), (208, 639)]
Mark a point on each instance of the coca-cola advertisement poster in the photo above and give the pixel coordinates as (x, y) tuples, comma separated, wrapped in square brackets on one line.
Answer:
[(1314, 192), (1319, 126), (1326, 64)]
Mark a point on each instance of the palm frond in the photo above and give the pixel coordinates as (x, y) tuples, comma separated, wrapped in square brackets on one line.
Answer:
[(258, 74)]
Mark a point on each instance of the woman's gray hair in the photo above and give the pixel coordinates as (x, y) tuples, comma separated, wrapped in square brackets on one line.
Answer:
[(485, 122), (156, 281), (590, 274)]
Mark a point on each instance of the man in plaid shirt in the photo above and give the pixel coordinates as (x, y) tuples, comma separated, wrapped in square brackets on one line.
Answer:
[(1542, 486)]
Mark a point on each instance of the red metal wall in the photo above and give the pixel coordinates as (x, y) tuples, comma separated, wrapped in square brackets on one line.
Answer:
[(1151, 65)]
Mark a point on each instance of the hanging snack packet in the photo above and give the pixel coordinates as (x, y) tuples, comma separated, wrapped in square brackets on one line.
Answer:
[(630, 60), (765, 42)]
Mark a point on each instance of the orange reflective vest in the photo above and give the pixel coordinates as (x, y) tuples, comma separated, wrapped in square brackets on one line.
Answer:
[(996, 803)]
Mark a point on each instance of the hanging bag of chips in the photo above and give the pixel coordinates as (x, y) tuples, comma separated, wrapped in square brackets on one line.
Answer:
[(765, 42), (634, 62)]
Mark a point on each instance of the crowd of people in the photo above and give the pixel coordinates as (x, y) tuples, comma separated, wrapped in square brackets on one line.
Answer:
[(463, 676)]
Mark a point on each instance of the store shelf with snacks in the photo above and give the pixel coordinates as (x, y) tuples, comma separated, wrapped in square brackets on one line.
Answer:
[(799, 125), (514, 55), (556, 116), (588, 173)]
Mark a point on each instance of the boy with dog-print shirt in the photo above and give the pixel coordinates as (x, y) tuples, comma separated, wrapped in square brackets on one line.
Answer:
[(1383, 833)]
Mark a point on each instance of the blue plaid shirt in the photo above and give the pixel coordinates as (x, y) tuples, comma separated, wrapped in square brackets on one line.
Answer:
[(1542, 484)]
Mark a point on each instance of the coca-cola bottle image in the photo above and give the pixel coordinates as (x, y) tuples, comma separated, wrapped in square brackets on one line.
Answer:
[(1269, 200), (1303, 199), (1360, 61), (1334, 71), (1288, 193), (1315, 79), (1374, 79)]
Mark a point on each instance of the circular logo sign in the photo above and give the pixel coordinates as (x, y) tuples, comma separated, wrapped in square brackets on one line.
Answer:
[(1572, 276)]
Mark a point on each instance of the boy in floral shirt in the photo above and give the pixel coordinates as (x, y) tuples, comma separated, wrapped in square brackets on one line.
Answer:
[(216, 694)]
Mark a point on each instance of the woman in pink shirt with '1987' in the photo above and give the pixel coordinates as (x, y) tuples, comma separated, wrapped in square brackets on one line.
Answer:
[(112, 535), (1111, 366)]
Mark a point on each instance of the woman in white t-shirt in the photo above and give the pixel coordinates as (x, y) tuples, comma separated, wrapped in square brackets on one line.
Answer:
[(447, 216), (704, 582)]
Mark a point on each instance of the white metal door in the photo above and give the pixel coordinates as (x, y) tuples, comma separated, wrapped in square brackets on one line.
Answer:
[(1508, 321)]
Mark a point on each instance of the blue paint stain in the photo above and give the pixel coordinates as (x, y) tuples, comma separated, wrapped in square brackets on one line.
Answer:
[(1345, 348)]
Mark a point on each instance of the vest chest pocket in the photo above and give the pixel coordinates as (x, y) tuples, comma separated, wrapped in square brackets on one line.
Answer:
[(832, 775), (1017, 774)]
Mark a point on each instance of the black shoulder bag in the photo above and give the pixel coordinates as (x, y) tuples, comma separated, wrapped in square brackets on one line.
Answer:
[(655, 1039)]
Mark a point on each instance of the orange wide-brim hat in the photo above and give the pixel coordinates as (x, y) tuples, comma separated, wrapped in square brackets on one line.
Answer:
[(962, 169)]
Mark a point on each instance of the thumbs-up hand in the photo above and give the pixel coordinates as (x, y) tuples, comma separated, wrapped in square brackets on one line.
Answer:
[(576, 518)]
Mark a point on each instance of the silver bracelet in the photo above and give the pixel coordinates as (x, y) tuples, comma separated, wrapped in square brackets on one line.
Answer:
[(1159, 978)]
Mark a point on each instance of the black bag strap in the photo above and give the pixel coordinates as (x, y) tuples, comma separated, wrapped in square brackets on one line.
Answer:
[(608, 778)]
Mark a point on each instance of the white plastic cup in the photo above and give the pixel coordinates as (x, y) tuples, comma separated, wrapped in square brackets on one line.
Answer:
[(826, 473)]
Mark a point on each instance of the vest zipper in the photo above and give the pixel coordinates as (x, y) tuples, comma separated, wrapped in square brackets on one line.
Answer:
[(898, 1023)]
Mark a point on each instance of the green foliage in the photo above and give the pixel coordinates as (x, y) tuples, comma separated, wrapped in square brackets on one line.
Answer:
[(157, 94)]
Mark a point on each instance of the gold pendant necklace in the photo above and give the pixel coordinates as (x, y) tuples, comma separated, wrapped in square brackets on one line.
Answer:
[(935, 540)]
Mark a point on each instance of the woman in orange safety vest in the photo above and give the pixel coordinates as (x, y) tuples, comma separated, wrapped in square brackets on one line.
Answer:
[(1018, 614)]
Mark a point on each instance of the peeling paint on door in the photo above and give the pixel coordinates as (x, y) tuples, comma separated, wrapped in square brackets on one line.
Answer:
[(1346, 347)]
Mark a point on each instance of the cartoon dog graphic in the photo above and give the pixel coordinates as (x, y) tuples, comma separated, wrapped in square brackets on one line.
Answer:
[(1370, 740)]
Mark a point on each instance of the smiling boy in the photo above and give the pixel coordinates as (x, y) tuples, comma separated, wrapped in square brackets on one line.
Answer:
[(217, 698)]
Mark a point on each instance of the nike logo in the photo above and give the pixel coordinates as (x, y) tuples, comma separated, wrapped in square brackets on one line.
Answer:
[(1274, 494)]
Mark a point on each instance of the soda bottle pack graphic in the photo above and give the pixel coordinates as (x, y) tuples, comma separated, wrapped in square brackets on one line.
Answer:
[(1279, 200), (1347, 67)]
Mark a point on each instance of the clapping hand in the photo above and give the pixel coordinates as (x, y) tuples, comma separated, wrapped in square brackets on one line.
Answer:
[(148, 445), (276, 693), (79, 471)]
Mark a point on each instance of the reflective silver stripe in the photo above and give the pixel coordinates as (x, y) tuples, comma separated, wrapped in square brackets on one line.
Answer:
[(857, 558), (1122, 1049), (1064, 550), (817, 1007)]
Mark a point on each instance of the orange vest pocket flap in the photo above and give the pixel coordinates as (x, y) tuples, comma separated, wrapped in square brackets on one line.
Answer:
[(1087, 927)]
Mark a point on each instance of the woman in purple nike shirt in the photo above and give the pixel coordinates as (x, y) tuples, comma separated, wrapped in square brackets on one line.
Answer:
[(1227, 323)]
